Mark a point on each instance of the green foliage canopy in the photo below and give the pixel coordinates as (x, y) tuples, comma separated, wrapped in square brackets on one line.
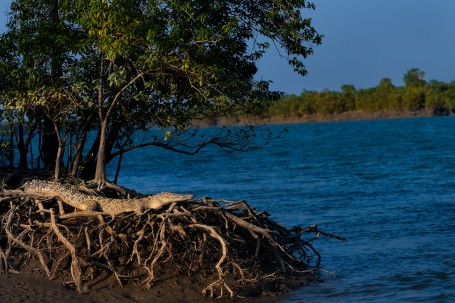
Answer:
[(120, 66)]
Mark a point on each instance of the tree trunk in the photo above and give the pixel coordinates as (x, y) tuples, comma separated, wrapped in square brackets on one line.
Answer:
[(60, 152), (89, 163), (78, 153), (100, 173), (89, 167), (80, 146), (50, 140), (21, 146), (111, 137), (59, 159), (50, 144), (117, 172), (11, 145)]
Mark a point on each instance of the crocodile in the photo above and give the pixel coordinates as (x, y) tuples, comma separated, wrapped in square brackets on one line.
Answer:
[(90, 202)]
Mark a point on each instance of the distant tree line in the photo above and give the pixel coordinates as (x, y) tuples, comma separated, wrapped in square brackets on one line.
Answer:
[(417, 95)]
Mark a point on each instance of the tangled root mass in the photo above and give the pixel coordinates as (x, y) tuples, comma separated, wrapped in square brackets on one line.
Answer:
[(230, 244)]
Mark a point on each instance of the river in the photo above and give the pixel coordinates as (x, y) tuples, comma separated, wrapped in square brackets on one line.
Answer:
[(386, 185)]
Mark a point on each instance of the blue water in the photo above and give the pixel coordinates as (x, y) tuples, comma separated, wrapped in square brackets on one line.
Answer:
[(386, 185)]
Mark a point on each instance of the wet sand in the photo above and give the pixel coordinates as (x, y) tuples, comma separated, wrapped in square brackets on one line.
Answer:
[(36, 288)]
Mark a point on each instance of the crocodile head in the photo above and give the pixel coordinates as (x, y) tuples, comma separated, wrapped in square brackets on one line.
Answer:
[(168, 197), (159, 200)]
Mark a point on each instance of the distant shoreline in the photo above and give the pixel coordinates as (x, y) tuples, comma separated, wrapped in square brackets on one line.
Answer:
[(346, 116)]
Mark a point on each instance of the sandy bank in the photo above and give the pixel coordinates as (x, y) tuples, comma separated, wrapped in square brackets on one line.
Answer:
[(347, 116)]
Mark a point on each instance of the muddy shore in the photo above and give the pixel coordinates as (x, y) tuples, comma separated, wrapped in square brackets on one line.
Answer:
[(347, 116)]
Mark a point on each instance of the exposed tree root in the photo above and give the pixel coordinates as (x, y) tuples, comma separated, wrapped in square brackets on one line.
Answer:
[(231, 244)]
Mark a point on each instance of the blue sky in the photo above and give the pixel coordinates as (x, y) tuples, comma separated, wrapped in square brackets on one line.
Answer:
[(365, 41)]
